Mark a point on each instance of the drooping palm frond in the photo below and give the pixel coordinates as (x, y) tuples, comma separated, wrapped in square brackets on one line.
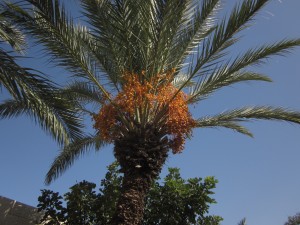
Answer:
[(214, 123), (70, 153), (38, 97), (10, 33), (83, 92), (231, 119), (17, 79), (57, 120), (65, 42), (84, 96), (32, 93)]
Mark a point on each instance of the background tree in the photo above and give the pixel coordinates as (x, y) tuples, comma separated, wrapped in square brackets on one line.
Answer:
[(172, 201), (143, 63), (293, 220)]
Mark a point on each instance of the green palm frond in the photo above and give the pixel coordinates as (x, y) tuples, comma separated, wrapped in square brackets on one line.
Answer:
[(51, 114), (70, 153), (10, 33), (225, 33), (213, 48), (212, 122), (17, 79), (39, 98), (84, 96), (169, 18), (66, 43), (221, 78), (141, 35), (193, 30), (83, 92), (231, 119), (231, 73), (181, 79), (121, 36)]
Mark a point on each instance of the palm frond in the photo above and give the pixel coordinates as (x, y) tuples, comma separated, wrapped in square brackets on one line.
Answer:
[(211, 122), (224, 36), (83, 92), (15, 78), (230, 72), (66, 43), (257, 55), (222, 78), (10, 33), (231, 119), (180, 79), (193, 30), (39, 98), (169, 17), (70, 153), (108, 32), (54, 117)]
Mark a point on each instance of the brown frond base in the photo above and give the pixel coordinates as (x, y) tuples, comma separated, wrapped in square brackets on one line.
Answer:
[(141, 157)]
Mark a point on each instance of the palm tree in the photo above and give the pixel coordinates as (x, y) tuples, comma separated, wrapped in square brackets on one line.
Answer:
[(143, 62), (32, 93)]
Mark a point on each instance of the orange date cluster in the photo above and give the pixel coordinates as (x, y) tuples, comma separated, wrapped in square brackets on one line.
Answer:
[(141, 101)]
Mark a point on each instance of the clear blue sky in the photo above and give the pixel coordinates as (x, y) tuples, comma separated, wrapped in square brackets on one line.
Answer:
[(258, 178)]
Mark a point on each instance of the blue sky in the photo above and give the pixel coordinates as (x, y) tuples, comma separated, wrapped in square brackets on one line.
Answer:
[(258, 178)]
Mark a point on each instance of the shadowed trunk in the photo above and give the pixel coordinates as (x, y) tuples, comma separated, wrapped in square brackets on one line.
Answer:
[(141, 157)]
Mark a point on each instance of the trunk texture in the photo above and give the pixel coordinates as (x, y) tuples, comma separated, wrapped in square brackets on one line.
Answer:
[(141, 157)]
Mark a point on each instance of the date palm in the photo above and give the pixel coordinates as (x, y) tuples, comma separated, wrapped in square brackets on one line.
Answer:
[(32, 93), (142, 62)]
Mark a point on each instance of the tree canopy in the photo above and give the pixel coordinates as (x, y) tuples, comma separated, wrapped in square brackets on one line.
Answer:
[(171, 201)]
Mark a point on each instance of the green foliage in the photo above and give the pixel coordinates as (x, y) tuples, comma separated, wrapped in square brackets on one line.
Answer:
[(180, 201), (32, 93), (293, 220), (170, 201)]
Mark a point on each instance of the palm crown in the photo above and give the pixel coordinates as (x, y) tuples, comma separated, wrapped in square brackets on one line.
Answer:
[(142, 63)]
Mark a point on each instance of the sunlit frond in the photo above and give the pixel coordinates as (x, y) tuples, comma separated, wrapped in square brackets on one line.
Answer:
[(219, 79), (66, 43), (39, 98), (194, 29), (181, 79), (232, 118), (10, 33), (224, 36), (61, 123), (231, 72)]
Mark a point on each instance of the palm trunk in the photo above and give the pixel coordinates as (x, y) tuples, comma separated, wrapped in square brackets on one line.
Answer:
[(141, 157)]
